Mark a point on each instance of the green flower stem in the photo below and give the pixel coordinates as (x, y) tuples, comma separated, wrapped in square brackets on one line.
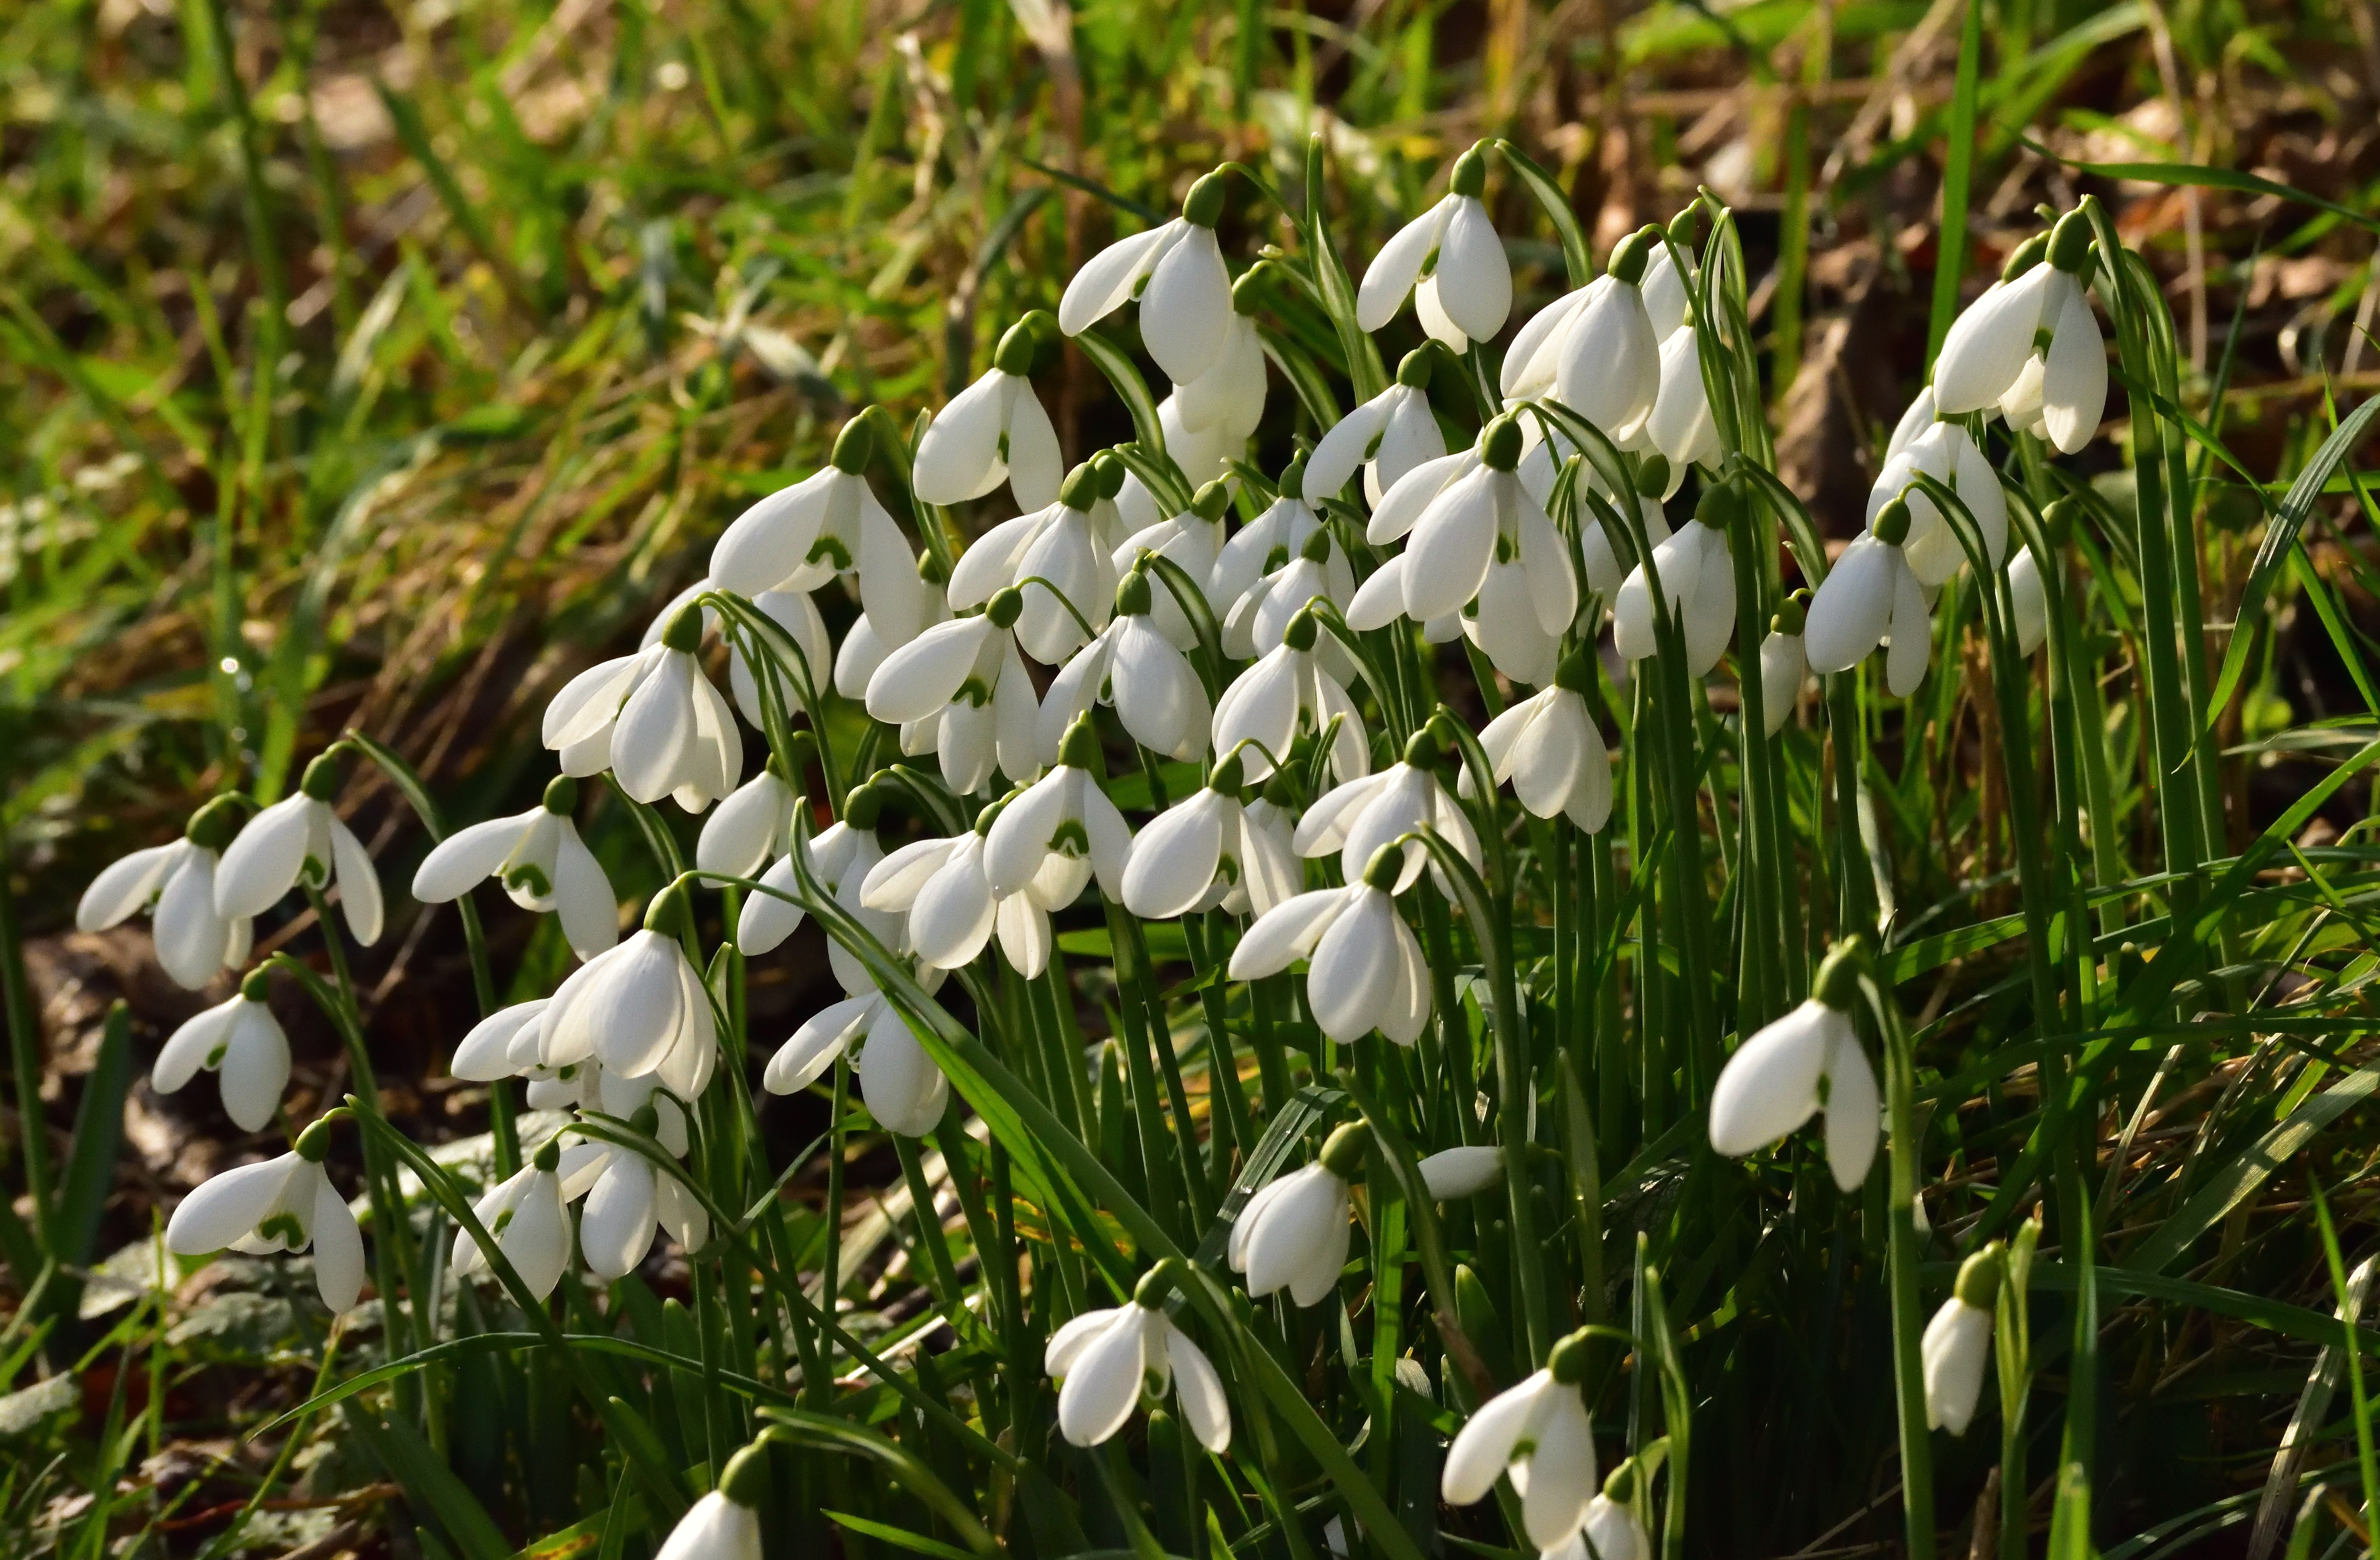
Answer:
[(1175, 1160), (1908, 1315), (1224, 1076), (820, 1390)]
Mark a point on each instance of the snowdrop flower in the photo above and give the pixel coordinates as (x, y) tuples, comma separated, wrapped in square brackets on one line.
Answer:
[(541, 863), (1947, 454), (1487, 517), (992, 431), (1365, 968), (2029, 600), (1386, 436), (1872, 596), (177, 883), (1773, 1081), (1104, 1359), (641, 1008), (1612, 1530), (2036, 319), (792, 611), (1669, 293), (487, 1053), (1448, 261), (864, 649), (753, 827), (1605, 574), (301, 839), (1203, 454), (1226, 402), (1784, 664), (1361, 816), (963, 683), (1600, 356), (1293, 689), (1915, 420), (1204, 854), (828, 524), (1294, 1233), (241, 1041), (1413, 492), (838, 856), (281, 1204), (1192, 540), (1956, 1343), (1134, 666), (653, 719), (1680, 424), (1048, 842), (1256, 621), (1059, 558), (525, 1217), (905, 1090), (1538, 1432), (1547, 745), (944, 888), (1453, 1173), (724, 1524), (1178, 275), (1697, 577), (629, 1199)]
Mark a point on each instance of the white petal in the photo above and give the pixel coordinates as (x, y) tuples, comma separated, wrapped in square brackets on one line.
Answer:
[(360, 896), (1475, 280), (1103, 1382), (1185, 312), (736, 840), (537, 1239), (1402, 504), (1200, 1392), (770, 541), (1173, 858), (1852, 608), (255, 1067), (959, 457), (125, 886), (1347, 446), (484, 1054), (903, 1089), (923, 675), (652, 741), (1770, 1085), (1452, 544), (1988, 343), (1463, 1172), (1035, 465), (338, 1249), (1354, 967), (1562, 1475), (1391, 273), (1852, 1112), (193, 941), (1957, 1345), (583, 897), (896, 882), (804, 1060), (263, 863), (1483, 1446), (1913, 636), (1107, 279), (1069, 1340), (2074, 377), (617, 1226), (714, 1528), (465, 857), (1286, 934), (952, 917), (227, 1206)]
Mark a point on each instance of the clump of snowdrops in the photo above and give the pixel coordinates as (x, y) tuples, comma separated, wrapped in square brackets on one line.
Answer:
[(1364, 1218)]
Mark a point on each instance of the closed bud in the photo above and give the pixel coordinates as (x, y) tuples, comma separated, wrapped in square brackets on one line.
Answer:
[(1891, 521), (212, 826), (1653, 476), (1838, 980), (1007, 604), (1629, 255), (1203, 207), (862, 807), (1111, 472), (1471, 172), (1081, 489), (1016, 347), (1500, 449), (684, 632), (2070, 242), (562, 796), (549, 1156), (1414, 370), (852, 446), (1343, 1150), (321, 777), (1210, 502), (1720, 507), (2025, 255)]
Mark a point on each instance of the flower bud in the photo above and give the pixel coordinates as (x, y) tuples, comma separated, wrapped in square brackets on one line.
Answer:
[(2025, 255), (562, 796), (852, 446), (549, 1155), (1653, 476), (863, 806), (1081, 489), (1007, 604), (1015, 354), (1720, 507), (1630, 254), (1210, 502), (1203, 207), (212, 826), (1111, 472), (2070, 242), (1471, 172), (1413, 372), (321, 777), (1499, 448), (684, 632), (257, 985), (1891, 523), (1568, 1358), (1343, 1150), (1838, 980), (1685, 226)]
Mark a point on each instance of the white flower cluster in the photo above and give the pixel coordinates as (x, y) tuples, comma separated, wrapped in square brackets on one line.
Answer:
[(1256, 652)]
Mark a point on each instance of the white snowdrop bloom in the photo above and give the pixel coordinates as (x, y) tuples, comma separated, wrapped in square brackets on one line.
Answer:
[(1134, 668), (1270, 543), (1359, 817), (1385, 437), (905, 1090), (177, 883), (1698, 579), (792, 611), (641, 1008), (1380, 600), (828, 524), (629, 1200), (1531, 362), (1292, 690), (1503, 623), (1450, 261), (1772, 1082), (2035, 321), (724, 1524), (2029, 600), (1294, 1233), (1365, 968), (1050, 840), (963, 687), (280, 1204), (993, 431), (1549, 748), (1605, 572), (1203, 454), (1538, 1432), (1784, 664), (752, 827), (1057, 558), (1680, 424), (1190, 540), (653, 719), (1607, 354), (524, 1215), (1612, 1530), (1947, 454), (541, 863), (1668, 296), (1178, 275), (1958, 1344), (1204, 854), (1487, 517), (1453, 1173), (838, 856), (1103, 1359), (942, 887), (1413, 492), (1228, 400), (1256, 622), (301, 839), (243, 1044), (1870, 596)]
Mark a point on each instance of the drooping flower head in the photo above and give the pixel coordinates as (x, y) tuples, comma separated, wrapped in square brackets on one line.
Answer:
[(242, 1042), (1364, 968), (960, 689), (994, 431), (1293, 689), (301, 839), (2030, 347), (1061, 557), (177, 884), (1294, 1233), (1784, 663), (1448, 261), (1807, 1062), (1104, 1359), (1958, 1343), (1385, 437), (1697, 580), (280, 1204), (525, 1217), (1134, 666), (541, 863), (1539, 1433), (641, 1008), (1549, 746), (1204, 852), (1177, 272), (724, 1524), (1873, 597), (653, 719)]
